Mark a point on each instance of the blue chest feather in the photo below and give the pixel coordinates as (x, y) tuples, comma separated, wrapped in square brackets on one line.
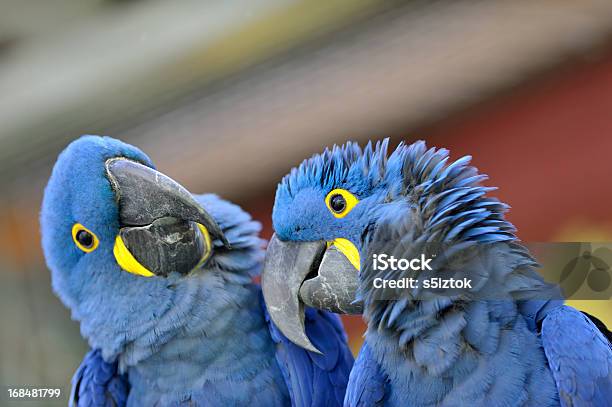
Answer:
[(469, 357), (227, 361)]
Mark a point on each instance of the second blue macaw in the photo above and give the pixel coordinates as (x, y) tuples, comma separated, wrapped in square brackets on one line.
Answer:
[(507, 341), (161, 283)]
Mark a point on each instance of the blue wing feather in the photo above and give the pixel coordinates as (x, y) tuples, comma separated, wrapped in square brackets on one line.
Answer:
[(98, 383), (313, 379), (580, 358), (367, 382)]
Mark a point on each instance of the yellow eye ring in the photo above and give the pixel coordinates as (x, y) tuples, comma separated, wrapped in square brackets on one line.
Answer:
[(340, 202), (84, 238)]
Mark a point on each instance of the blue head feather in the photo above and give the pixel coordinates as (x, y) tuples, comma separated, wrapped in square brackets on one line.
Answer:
[(449, 198), (78, 191), (300, 212)]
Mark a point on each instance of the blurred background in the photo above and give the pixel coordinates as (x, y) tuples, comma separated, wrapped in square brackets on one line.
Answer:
[(227, 96)]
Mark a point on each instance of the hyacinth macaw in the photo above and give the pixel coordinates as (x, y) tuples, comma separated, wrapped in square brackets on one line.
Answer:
[(161, 283), (508, 341)]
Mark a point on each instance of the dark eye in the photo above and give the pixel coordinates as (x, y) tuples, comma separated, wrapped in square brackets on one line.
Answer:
[(85, 239), (340, 202), (337, 203)]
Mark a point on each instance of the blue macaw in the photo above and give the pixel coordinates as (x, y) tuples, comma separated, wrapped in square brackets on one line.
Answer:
[(161, 283), (509, 341)]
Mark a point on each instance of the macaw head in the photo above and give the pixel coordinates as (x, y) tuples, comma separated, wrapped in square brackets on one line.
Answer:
[(118, 236), (328, 211)]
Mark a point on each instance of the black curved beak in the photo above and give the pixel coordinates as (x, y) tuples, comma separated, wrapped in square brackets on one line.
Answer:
[(306, 273), (163, 229)]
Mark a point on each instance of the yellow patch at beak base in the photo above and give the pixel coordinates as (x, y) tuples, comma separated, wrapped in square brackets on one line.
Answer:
[(207, 243), (126, 260), (349, 250)]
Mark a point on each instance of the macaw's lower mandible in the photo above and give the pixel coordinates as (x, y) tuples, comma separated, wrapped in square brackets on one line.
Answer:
[(503, 339), (161, 283)]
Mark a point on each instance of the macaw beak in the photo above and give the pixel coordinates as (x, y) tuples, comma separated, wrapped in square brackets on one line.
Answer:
[(162, 227), (316, 274)]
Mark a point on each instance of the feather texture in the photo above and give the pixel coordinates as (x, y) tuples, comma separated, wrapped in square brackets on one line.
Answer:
[(574, 347), (97, 383), (314, 379)]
